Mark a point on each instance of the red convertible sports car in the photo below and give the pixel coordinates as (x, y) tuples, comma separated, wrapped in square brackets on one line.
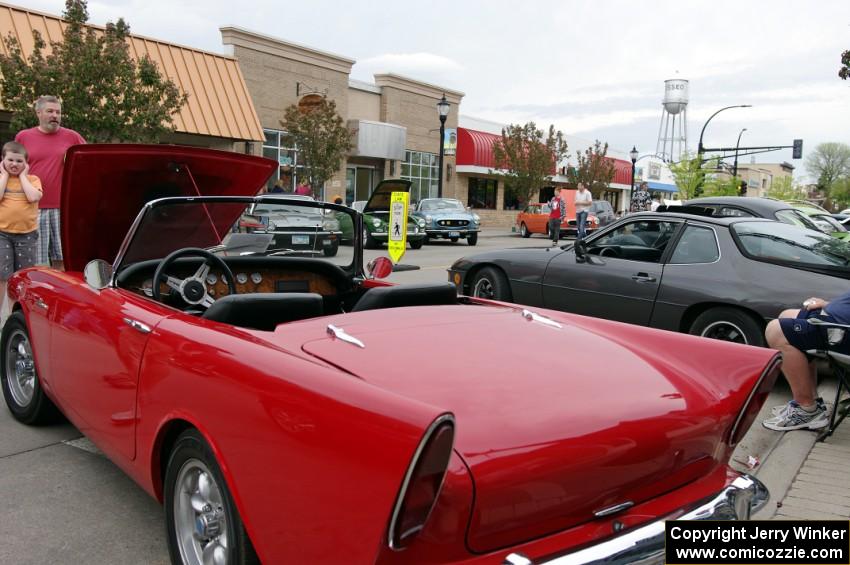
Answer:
[(265, 394)]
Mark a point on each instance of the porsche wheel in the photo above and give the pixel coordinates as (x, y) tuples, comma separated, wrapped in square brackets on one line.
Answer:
[(728, 324), (523, 230), (472, 239), (202, 523), (21, 386), (491, 283)]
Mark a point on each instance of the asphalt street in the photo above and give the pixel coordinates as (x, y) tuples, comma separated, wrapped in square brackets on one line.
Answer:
[(64, 502)]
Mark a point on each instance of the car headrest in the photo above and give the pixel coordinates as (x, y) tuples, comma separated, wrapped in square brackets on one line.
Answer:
[(264, 311), (424, 294)]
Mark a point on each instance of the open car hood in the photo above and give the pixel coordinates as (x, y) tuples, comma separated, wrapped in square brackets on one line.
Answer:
[(556, 424), (104, 186), (380, 199)]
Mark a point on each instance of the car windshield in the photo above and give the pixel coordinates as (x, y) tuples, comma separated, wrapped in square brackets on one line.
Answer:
[(795, 218), (243, 226), (434, 204), (600, 206), (776, 241)]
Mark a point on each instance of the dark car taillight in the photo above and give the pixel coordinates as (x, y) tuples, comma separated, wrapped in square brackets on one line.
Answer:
[(754, 402), (422, 482)]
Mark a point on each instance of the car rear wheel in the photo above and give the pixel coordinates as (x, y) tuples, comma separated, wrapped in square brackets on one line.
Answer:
[(491, 283), (21, 385), (729, 324), (523, 230), (202, 522), (472, 239), (331, 250)]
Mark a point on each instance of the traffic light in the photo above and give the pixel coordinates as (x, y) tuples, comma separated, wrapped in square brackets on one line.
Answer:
[(798, 149)]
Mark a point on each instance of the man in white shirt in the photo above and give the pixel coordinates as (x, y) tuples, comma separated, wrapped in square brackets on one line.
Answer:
[(583, 200)]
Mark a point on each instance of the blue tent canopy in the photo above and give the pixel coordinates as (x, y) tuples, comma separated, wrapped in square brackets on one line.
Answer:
[(662, 187)]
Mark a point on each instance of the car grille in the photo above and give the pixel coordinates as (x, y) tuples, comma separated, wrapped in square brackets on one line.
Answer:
[(453, 223)]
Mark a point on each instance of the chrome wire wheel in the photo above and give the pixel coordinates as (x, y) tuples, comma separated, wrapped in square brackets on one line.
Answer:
[(199, 518), (484, 289), (20, 368), (725, 331)]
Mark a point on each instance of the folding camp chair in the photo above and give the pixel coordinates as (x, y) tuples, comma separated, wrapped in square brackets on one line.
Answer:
[(840, 365)]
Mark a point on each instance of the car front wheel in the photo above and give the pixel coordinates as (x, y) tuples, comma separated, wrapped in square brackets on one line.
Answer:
[(369, 242), (417, 244), (491, 283), (728, 324), (202, 522), (472, 239), (21, 385), (523, 230)]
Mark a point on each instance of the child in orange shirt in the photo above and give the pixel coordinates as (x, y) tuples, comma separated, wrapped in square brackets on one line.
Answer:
[(19, 196)]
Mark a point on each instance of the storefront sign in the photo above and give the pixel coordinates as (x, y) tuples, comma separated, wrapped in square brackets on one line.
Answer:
[(309, 103)]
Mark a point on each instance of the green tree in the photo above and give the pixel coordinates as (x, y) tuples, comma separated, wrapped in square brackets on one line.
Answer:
[(322, 140), (840, 194), (688, 175), (594, 169), (106, 94), (783, 188), (844, 71), (529, 157), (828, 163), (721, 186)]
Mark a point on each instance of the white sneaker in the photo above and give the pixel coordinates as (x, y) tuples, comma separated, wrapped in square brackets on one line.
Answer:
[(795, 418)]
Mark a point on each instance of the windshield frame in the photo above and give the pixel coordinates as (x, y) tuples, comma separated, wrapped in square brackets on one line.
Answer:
[(355, 268)]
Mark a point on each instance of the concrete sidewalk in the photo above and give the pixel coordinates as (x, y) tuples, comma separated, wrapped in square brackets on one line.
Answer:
[(807, 479)]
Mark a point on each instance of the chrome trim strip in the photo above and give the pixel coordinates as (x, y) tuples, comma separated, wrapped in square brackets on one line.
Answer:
[(753, 392), (613, 509), (738, 501), (447, 417)]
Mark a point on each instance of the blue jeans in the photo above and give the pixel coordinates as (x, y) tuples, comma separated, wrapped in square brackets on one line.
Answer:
[(581, 219)]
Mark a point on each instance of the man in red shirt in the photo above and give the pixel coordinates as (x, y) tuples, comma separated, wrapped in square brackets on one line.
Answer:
[(46, 144)]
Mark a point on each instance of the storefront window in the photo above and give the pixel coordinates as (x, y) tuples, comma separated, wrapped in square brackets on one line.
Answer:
[(482, 193), (280, 147), (422, 170), (511, 200)]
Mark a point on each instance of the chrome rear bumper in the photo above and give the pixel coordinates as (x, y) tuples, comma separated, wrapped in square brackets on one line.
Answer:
[(645, 545)]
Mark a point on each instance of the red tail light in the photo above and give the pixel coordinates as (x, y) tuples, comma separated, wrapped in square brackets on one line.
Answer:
[(422, 483), (754, 402)]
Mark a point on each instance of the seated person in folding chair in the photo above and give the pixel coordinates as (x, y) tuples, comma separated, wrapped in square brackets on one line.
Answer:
[(793, 336)]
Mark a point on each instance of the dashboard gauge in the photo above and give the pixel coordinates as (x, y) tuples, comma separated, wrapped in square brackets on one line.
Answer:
[(256, 278), (211, 278), (147, 287), (241, 278), (211, 292)]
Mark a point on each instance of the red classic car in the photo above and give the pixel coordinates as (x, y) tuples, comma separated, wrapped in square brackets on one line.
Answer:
[(534, 218), (265, 394)]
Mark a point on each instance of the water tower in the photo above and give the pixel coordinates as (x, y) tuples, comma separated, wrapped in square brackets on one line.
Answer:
[(673, 131)]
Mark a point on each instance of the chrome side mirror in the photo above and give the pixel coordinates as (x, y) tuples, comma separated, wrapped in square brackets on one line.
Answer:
[(98, 274), (379, 268)]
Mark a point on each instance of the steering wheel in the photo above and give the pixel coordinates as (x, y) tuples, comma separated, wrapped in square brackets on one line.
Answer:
[(609, 252), (192, 289)]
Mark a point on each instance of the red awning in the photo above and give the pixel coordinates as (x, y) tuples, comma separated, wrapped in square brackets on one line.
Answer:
[(475, 148), (622, 172)]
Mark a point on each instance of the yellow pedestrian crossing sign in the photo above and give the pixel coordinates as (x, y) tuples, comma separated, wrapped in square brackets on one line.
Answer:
[(397, 242)]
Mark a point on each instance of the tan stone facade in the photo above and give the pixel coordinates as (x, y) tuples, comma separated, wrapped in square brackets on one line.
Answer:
[(761, 176), (396, 109)]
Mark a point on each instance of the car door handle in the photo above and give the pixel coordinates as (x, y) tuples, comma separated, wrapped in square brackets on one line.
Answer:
[(643, 277)]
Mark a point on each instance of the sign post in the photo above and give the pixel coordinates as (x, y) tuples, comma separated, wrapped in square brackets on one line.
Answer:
[(397, 227)]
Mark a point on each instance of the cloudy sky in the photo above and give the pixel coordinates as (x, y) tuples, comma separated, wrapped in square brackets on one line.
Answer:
[(594, 69)]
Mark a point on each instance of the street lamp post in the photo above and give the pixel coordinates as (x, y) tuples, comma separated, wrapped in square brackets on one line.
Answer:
[(443, 107), (634, 156), (700, 147), (737, 144)]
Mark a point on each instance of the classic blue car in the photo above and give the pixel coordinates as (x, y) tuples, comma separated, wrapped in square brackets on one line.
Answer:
[(447, 218)]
